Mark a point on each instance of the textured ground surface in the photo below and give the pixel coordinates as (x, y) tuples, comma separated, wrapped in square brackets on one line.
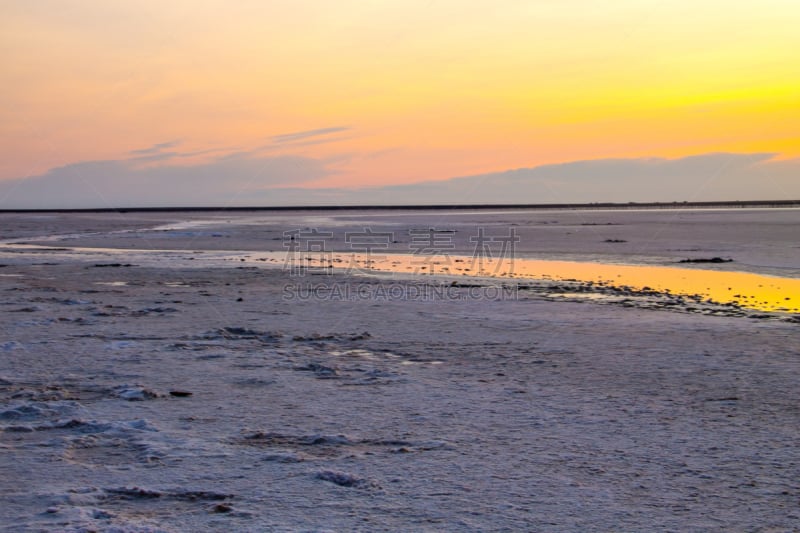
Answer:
[(324, 413)]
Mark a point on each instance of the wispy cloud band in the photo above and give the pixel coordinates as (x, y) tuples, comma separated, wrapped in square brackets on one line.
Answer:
[(302, 135), (248, 179)]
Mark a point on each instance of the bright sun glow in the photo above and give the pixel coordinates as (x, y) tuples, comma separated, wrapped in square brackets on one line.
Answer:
[(423, 90)]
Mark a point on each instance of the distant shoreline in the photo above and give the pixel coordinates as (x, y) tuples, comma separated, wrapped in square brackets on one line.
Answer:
[(433, 207)]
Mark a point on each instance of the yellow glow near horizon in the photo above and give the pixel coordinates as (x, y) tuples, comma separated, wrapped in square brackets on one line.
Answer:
[(430, 90), (744, 289)]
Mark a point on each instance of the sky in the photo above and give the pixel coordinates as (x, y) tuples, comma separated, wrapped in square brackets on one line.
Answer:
[(271, 102)]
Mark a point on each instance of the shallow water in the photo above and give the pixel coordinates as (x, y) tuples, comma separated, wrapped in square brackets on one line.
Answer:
[(636, 250), (748, 290), (745, 289)]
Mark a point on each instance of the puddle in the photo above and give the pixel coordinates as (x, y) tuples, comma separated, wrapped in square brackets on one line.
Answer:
[(748, 290)]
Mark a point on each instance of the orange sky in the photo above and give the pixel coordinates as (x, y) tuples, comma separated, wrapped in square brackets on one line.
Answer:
[(419, 90)]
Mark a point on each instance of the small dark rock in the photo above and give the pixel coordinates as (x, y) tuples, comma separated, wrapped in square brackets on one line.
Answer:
[(134, 492), (112, 265), (321, 371), (711, 260), (343, 479)]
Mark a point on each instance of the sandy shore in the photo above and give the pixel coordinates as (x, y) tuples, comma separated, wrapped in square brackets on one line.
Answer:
[(177, 395)]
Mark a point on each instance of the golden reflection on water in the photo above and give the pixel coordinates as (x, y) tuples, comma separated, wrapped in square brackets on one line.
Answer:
[(752, 291)]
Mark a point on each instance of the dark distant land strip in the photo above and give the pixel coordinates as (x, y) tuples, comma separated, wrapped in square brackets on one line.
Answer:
[(581, 206)]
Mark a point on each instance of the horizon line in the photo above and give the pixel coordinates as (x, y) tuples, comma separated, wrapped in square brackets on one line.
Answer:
[(431, 207)]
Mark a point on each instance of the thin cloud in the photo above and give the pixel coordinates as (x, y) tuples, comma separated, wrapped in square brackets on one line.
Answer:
[(155, 149), (247, 179), (301, 135), (705, 177), (161, 152), (715, 176), (126, 183)]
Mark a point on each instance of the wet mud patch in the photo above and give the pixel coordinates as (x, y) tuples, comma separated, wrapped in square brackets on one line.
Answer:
[(110, 451), (131, 508), (331, 446), (346, 479)]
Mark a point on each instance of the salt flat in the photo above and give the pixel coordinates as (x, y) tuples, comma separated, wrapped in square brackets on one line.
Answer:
[(184, 391)]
